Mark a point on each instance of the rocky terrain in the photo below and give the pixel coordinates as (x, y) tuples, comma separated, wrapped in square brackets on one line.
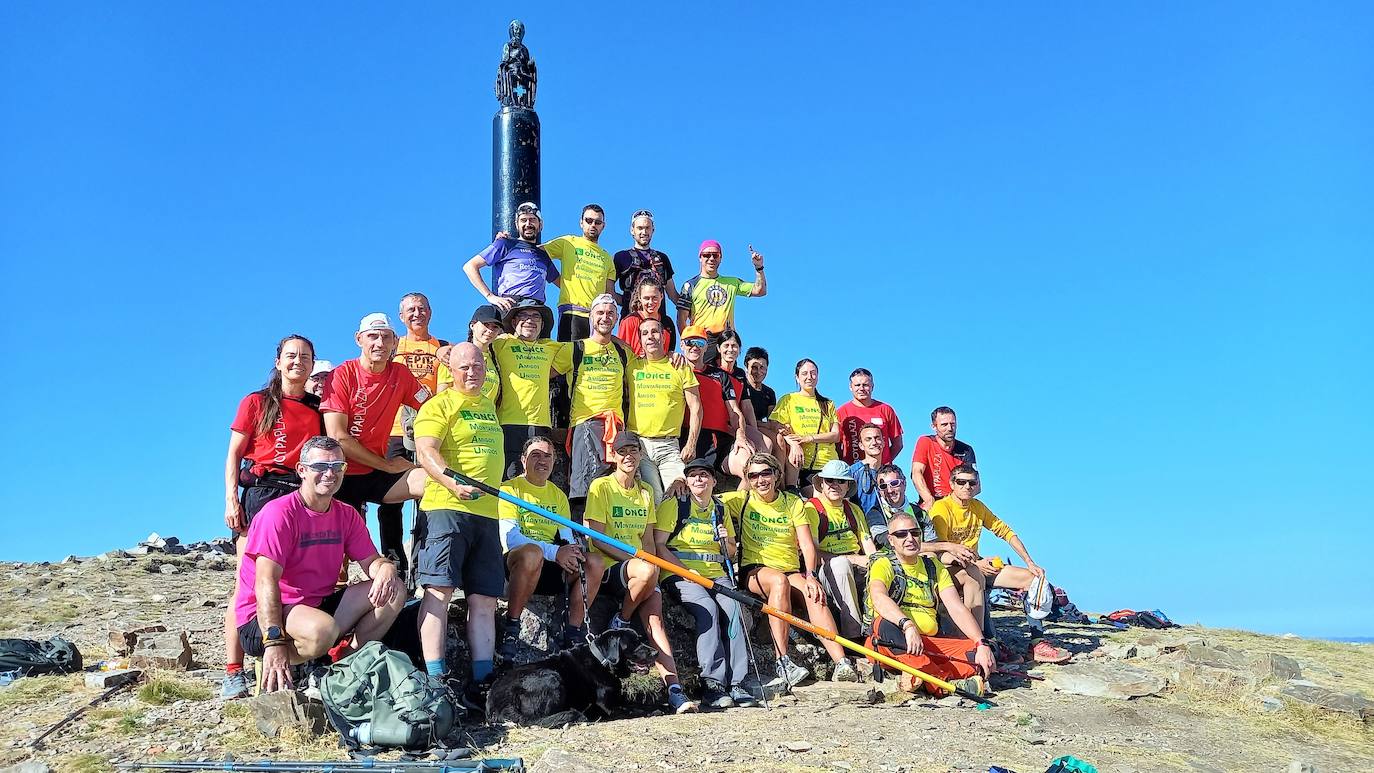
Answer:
[(1190, 699)]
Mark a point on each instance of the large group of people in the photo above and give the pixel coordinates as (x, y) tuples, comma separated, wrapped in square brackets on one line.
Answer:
[(656, 429)]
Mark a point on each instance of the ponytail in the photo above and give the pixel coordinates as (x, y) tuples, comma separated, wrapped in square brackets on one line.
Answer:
[(272, 391)]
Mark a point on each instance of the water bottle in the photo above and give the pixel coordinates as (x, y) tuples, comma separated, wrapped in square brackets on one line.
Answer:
[(111, 665), (363, 734)]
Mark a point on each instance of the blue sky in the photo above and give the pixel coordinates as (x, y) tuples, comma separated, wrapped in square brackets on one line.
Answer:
[(1132, 246)]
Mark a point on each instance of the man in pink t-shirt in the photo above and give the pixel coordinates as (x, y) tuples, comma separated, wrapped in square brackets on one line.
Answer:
[(863, 409), (287, 609), (360, 409)]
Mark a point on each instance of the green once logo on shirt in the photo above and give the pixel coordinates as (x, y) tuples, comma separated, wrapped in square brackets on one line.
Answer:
[(477, 416), (618, 511)]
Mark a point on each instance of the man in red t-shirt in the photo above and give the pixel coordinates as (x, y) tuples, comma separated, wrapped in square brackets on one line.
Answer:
[(937, 455), (359, 408), (863, 409), (722, 441)]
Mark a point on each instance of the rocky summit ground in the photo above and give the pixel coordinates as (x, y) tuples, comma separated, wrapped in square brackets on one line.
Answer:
[(1208, 700)]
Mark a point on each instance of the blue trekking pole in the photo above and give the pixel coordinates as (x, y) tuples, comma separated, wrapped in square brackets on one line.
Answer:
[(729, 592)]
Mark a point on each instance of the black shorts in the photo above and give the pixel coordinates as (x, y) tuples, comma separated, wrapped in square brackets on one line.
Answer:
[(615, 583), (396, 449), (712, 445), (250, 634), (804, 476), (515, 437), (358, 490), (573, 327), (587, 461), (552, 581), (454, 549), (254, 498)]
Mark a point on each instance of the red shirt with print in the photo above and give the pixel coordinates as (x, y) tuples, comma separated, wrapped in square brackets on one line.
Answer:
[(371, 400), (278, 449), (715, 387), (940, 463), (852, 417)]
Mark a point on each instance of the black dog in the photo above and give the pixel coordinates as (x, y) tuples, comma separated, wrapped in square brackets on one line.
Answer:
[(585, 678)]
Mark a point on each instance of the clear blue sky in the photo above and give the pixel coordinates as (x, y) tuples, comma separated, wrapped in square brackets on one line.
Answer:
[(1132, 246)]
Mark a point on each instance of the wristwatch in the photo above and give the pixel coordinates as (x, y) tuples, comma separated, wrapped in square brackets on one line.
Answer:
[(274, 633)]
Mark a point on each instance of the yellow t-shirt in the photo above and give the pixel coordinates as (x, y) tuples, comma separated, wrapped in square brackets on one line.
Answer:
[(418, 357), (917, 602), (803, 414), (840, 539), (547, 496), (625, 512), (489, 386), (657, 401), (585, 268), (768, 531), (600, 381), (470, 441), (524, 367), (696, 536), (955, 523)]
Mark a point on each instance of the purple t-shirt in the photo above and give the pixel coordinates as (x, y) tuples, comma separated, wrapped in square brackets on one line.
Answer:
[(310, 547), (519, 268)]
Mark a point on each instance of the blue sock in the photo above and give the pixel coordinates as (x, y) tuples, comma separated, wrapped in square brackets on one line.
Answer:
[(481, 669), (435, 667)]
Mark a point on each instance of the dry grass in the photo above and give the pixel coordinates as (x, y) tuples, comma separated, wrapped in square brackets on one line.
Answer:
[(162, 691), (83, 763), (31, 692)]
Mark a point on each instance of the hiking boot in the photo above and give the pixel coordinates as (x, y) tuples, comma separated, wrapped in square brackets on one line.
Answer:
[(510, 643), (792, 673), (618, 623), (235, 686), (742, 697), (1042, 651), (973, 685), (1005, 654), (844, 671), (715, 697), (573, 635), (680, 703)]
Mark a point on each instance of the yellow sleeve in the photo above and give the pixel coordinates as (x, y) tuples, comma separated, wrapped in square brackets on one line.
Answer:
[(939, 519), (562, 358), (557, 248), (442, 375), (828, 419), (432, 419), (734, 505), (799, 517), (813, 519), (506, 510), (666, 517), (942, 578), (686, 378), (881, 570), (781, 410), (598, 504), (991, 522)]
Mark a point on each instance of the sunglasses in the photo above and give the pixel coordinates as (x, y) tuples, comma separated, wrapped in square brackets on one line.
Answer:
[(695, 343), (593, 220), (715, 255), (833, 482), (893, 484), (904, 533), (965, 481), (323, 467), (756, 474)]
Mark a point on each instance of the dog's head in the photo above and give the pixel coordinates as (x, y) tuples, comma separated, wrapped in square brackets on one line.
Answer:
[(623, 651)]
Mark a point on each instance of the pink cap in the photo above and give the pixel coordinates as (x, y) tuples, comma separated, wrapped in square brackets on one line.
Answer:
[(710, 243)]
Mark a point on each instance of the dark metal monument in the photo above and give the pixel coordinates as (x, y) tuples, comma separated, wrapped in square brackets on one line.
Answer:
[(514, 134)]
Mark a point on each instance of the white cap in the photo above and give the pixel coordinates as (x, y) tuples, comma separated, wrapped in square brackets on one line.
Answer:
[(603, 298), (375, 321), (321, 366)]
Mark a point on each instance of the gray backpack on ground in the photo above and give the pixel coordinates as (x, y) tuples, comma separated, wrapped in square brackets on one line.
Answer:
[(377, 698)]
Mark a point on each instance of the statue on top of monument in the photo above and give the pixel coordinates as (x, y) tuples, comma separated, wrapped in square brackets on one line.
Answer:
[(516, 76)]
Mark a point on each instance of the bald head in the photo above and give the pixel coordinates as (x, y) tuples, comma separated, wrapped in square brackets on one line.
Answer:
[(469, 369)]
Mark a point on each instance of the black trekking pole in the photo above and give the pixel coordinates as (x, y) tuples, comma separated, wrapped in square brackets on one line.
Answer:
[(370, 765), (736, 621)]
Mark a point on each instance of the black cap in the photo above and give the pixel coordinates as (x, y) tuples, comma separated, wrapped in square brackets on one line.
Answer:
[(486, 313), (625, 438), (699, 464)]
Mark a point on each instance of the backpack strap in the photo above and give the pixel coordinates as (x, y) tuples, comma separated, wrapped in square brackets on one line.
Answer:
[(580, 348), (684, 514), (823, 522), (496, 366)]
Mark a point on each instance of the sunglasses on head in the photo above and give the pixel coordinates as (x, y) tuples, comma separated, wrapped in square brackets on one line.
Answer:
[(756, 474), (642, 213), (322, 467), (904, 533), (965, 481)]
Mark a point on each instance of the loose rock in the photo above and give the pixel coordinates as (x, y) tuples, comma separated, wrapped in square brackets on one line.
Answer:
[(1102, 680)]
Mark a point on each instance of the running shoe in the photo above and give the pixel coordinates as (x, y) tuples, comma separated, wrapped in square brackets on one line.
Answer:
[(680, 703), (1042, 651)]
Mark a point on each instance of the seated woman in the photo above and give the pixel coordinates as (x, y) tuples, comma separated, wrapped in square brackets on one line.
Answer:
[(811, 427), (903, 588), (693, 532), (729, 348), (780, 560), (842, 537)]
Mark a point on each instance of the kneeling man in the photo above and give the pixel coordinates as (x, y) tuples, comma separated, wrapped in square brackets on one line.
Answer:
[(287, 609)]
